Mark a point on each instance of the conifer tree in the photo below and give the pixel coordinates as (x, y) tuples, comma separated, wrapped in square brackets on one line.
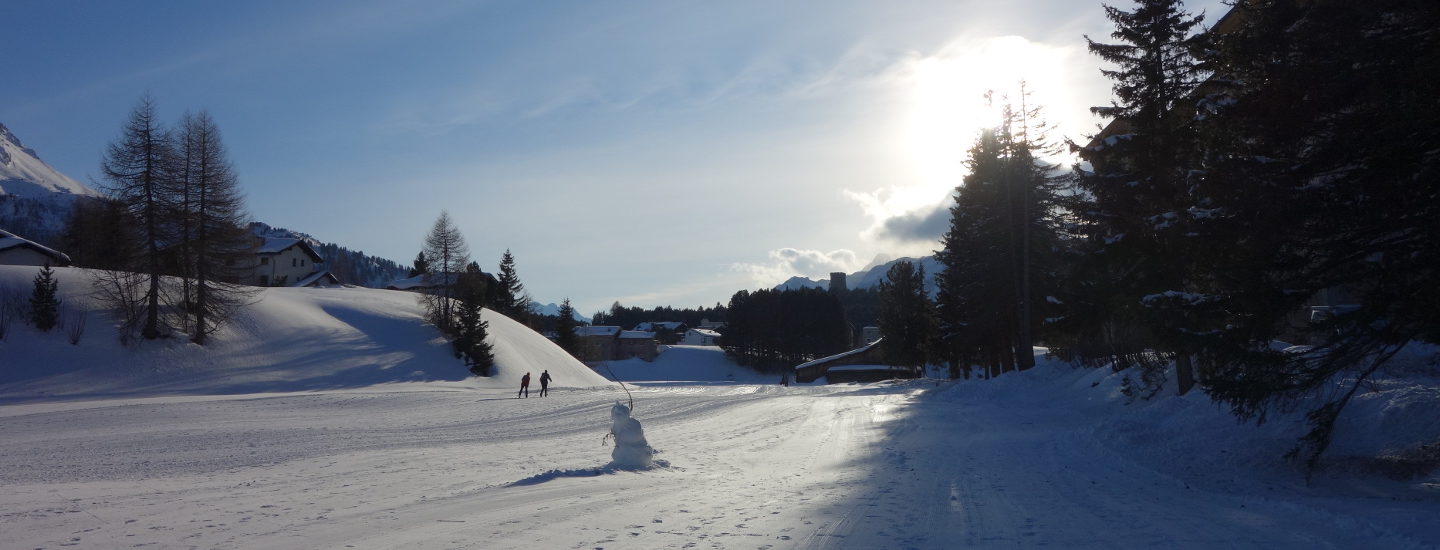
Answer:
[(1139, 184), (1317, 184), (421, 267), (906, 319), (471, 330), (445, 247), (137, 168), (216, 247), (1000, 257), (775, 330), (44, 303), (565, 324), (99, 234), (511, 298)]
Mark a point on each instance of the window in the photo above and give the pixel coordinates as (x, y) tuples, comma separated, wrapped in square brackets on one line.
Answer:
[(264, 280), (293, 260), (264, 260)]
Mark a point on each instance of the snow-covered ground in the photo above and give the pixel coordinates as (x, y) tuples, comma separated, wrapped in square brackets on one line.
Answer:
[(289, 339), (397, 453)]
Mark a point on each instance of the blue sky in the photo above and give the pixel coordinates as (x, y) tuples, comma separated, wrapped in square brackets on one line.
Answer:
[(652, 153)]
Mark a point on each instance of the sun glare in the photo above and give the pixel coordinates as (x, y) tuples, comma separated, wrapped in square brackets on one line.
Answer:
[(947, 107)]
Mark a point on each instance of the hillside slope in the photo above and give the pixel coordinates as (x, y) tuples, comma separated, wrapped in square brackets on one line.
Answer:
[(35, 199), (290, 339), (22, 173)]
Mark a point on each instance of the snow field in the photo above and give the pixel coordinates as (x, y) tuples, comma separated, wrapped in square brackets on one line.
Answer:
[(904, 465), (289, 339), (336, 418)]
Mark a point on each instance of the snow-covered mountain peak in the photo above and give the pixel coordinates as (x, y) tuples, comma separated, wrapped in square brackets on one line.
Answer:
[(871, 276), (23, 174)]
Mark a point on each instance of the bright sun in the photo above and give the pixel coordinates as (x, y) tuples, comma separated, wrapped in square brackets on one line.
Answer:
[(947, 107)]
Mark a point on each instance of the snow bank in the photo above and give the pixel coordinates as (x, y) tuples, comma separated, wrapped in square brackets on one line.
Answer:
[(1194, 438), (289, 339)]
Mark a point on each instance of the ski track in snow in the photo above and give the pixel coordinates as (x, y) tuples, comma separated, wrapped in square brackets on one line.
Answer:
[(738, 466)]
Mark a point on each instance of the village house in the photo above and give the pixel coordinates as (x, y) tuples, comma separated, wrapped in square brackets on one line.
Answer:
[(637, 343), (597, 343), (320, 279), (16, 250), (424, 282), (667, 332), (284, 262), (700, 337), (611, 343)]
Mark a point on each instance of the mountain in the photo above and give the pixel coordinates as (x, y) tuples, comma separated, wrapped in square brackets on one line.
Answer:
[(23, 174), (871, 276), (35, 199), (350, 266), (797, 282), (553, 310)]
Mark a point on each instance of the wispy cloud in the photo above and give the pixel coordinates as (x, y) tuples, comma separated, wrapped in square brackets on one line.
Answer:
[(789, 262)]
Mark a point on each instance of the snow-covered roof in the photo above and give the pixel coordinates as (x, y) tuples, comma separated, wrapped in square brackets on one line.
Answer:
[(704, 332), (429, 280), (667, 325), (10, 240), (319, 278), (855, 351), (636, 335), (597, 331), (276, 245)]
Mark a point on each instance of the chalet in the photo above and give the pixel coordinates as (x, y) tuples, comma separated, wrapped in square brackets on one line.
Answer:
[(666, 332), (16, 250), (422, 283), (284, 262), (597, 343), (637, 343), (672, 326), (866, 364), (320, 279), (611, 343), (700, 337)]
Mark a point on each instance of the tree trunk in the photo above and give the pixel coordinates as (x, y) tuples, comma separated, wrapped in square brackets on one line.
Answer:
[(1184, 373)]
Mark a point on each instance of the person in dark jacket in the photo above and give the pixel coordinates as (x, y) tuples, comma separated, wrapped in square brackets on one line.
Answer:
[(524, 386), (544, 383)]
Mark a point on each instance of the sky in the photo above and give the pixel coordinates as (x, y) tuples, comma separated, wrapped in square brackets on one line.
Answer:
[(650, 153)]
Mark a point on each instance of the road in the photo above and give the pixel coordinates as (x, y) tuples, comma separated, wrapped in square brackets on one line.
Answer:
[(743, 466)]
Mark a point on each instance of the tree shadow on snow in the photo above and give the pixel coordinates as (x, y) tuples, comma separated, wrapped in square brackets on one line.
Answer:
[(611, 468)]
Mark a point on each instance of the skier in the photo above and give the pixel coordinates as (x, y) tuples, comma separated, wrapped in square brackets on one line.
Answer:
[(524, 386), (544, 383)]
